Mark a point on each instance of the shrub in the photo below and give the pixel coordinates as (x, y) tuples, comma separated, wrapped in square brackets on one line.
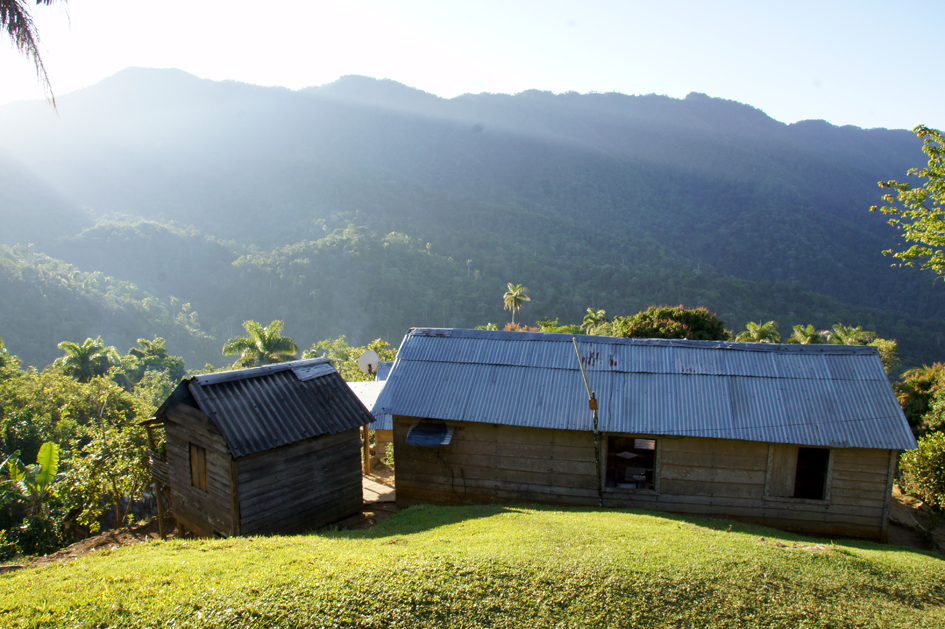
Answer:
[(665, 322), (923, 470), (38, 535)]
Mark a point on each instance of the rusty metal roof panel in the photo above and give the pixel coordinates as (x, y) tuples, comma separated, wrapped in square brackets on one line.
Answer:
[(805, 394), (270, 407)]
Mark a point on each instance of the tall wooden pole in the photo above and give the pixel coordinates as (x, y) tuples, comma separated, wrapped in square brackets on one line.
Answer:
[(592, 404)]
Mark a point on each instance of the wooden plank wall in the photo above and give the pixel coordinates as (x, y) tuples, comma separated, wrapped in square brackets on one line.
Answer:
[(204, 511), (487, 462), (718, 477), (713, 477), (302, 486)]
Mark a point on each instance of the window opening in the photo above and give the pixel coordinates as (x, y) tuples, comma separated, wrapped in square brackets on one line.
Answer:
[(198, 467), (811, 478), (631, 462)]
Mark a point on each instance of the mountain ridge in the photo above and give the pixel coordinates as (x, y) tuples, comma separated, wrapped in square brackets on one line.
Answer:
[(506, 181)]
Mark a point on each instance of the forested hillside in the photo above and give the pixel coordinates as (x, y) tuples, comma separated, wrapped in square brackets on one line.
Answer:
[(364, 207)]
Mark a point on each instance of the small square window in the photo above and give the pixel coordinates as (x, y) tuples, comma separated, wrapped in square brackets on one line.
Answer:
[(631, 463)]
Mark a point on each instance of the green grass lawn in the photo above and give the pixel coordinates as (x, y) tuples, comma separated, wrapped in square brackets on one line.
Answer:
[(491, 566)]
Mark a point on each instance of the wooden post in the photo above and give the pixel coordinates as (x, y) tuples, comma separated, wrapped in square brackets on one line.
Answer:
[(158, 486), (366, 439)]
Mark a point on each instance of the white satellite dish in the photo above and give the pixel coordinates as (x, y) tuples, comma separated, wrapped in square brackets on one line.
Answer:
[(368, 362)]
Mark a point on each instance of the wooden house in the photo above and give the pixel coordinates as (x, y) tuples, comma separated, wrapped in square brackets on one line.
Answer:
[(382, 425), (272, 449), (798, 437)]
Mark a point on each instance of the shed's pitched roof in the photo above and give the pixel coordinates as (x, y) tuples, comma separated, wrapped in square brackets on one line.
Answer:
[(823, 395), (367, 392), (269, 407)]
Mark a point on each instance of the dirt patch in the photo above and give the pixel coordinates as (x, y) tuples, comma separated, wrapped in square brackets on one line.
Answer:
[(796, 546), (382, 475), (914, 524), (139, 534)]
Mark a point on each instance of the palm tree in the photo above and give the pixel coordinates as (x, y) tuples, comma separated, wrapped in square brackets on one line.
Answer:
[(84, 362), (261, 346), (593, 320), (760, 333), (840, 334), (153, 355), (806, 335), (514, 298), (17, 21)]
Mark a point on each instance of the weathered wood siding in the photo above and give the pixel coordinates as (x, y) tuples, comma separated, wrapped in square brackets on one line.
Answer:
[(713, 477), (204, 511), (487, 462), (302, 486)]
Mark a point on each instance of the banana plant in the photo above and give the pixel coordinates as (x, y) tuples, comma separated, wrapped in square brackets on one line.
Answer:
[(34, 482)]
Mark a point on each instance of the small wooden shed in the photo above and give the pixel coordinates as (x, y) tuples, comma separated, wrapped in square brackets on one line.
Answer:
[(271, 449), (798, 437)]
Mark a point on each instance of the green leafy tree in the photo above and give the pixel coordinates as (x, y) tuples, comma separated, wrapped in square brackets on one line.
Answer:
[(665, 322), (547, 325), (35, 482), (920, 215), (90, 359), (922, 396), (345, 357), (596, 322), (841, 334), (806, 335), (888, 353), (759, 333), (153, 356), (923, 470), (514, 298), (261, 345)]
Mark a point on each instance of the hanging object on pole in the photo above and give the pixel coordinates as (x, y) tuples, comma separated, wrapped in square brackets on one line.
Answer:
[(592, 404)]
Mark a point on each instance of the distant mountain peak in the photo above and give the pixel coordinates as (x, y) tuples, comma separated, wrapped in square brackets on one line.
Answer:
[(366, 90)]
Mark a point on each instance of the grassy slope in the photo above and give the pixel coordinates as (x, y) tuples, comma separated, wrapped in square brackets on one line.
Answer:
[(491, 566)]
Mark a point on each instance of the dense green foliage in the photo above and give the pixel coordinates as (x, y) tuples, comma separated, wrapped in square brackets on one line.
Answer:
[(922, 471), (50, 300), (493, 566), (921, 217), (664, 322), (345, 357)]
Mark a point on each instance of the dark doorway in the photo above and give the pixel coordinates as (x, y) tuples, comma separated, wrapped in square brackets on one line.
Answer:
[(811, 476)]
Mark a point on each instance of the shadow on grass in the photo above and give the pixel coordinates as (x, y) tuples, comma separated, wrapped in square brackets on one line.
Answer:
[(421, 518)]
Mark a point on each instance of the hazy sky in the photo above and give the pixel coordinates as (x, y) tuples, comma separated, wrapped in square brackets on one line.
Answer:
[(870, 64)]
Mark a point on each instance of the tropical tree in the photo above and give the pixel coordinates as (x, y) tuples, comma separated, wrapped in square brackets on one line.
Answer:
[(35, 482), (806, 335), (841, 334), (921, 216), (514, 297), (17, 21), (261, 345), (593, 320), (665, 322), (153, 356), (91, 358), (759, 333)]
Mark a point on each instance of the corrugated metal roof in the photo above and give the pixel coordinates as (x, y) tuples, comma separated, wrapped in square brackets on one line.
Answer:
[(824, 395), (367, 392), (269, 407)]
